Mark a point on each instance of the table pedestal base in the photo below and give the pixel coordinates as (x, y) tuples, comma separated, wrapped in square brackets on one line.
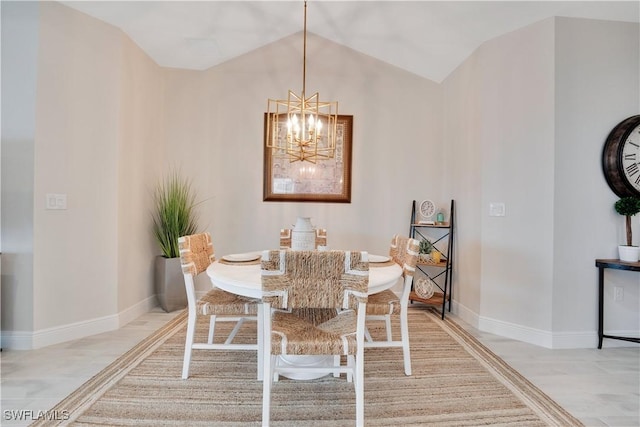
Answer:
[(304, 362)]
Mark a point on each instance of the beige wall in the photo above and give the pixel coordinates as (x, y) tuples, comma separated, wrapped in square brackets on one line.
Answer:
[(19, 64), (215, 130), (98, 137), (526, 117), (463, 180), (508, 122), (75, 263), (141, 143), (109, 123), (597, 85), (517, 117)]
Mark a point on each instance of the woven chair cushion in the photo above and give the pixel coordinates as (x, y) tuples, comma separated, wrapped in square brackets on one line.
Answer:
[(292, 334), (385, 302), (219, 302)]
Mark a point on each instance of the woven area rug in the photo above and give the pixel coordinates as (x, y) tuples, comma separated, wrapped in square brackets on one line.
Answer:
[(456, 381)]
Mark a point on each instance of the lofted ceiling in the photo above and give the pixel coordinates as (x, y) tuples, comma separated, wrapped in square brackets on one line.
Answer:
[(428, 38)]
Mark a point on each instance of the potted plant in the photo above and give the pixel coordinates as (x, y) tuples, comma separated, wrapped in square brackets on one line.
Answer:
[(173, 217), (424, 250), (628, 206)]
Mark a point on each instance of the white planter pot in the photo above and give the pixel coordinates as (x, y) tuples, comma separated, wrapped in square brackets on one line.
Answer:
[(629, 253)]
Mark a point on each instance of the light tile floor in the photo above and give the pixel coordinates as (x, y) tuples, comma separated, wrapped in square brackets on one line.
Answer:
[(600, 387), (35, 380)]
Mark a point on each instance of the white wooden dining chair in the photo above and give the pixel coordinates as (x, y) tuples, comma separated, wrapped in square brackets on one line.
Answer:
[(285, 237), (383, 305), (314, 281), (196, 254)]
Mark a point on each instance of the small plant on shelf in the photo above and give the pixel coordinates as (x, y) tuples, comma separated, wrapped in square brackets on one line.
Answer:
[(628, 207), (425, 248)]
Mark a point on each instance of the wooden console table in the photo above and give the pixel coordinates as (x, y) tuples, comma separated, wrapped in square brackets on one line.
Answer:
[(618, 265)]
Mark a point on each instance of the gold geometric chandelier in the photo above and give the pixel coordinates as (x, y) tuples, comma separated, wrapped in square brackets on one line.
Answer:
[(301, 128)]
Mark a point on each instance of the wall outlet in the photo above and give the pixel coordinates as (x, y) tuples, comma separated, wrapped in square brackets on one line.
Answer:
[(618, 293)]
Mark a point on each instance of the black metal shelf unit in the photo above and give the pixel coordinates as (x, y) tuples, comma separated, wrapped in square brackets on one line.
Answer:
[(441, 237)]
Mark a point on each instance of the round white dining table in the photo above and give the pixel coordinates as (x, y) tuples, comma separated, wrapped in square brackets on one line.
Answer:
[(243, 278)]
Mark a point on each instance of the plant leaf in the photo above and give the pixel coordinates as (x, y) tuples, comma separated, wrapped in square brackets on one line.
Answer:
[(174, 215)]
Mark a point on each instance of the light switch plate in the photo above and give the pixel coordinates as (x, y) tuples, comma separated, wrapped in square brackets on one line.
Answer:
[(56, 201), (496, 209)]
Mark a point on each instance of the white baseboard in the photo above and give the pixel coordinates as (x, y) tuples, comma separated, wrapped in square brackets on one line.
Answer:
[(16, 340), (517, 332), (591, 340), (552, 340), (26, 340), (469, 316), (137, 310)]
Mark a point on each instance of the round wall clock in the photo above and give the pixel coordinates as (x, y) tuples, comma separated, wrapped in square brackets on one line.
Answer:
[(621, 158), (427, 209)]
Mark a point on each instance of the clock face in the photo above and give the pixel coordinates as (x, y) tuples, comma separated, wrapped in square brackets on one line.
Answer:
[(631, 158), (621, 158), (427, 208)]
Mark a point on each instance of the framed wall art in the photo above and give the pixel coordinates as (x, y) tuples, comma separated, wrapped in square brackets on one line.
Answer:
[(327, 180)]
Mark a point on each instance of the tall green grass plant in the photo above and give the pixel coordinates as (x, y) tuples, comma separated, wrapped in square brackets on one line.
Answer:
[(174, 214)]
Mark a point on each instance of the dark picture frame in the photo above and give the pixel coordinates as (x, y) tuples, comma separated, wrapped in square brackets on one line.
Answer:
[(326, 180)]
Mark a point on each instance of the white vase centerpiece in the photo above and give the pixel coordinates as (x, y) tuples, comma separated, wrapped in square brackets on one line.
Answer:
[(303, 235)]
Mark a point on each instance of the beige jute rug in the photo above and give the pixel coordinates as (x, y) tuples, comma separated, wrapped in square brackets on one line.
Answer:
[(456, 381)]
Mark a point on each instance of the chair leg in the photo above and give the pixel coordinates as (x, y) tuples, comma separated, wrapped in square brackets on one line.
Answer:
[(367, 335), (212, 328), (235, 330), (387, 325), (188, 346), (266, 391), (268, 361), (276, 362), (336, 364), (404, 331), (260, 342), (359, 386), (358, 371)]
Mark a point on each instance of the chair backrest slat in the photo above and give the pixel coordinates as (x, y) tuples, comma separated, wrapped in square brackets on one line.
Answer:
[(315, 279), (196, 253), (404, 251)]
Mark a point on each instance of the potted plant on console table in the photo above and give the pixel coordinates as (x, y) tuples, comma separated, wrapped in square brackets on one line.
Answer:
[(173, 217), (628, 206)]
